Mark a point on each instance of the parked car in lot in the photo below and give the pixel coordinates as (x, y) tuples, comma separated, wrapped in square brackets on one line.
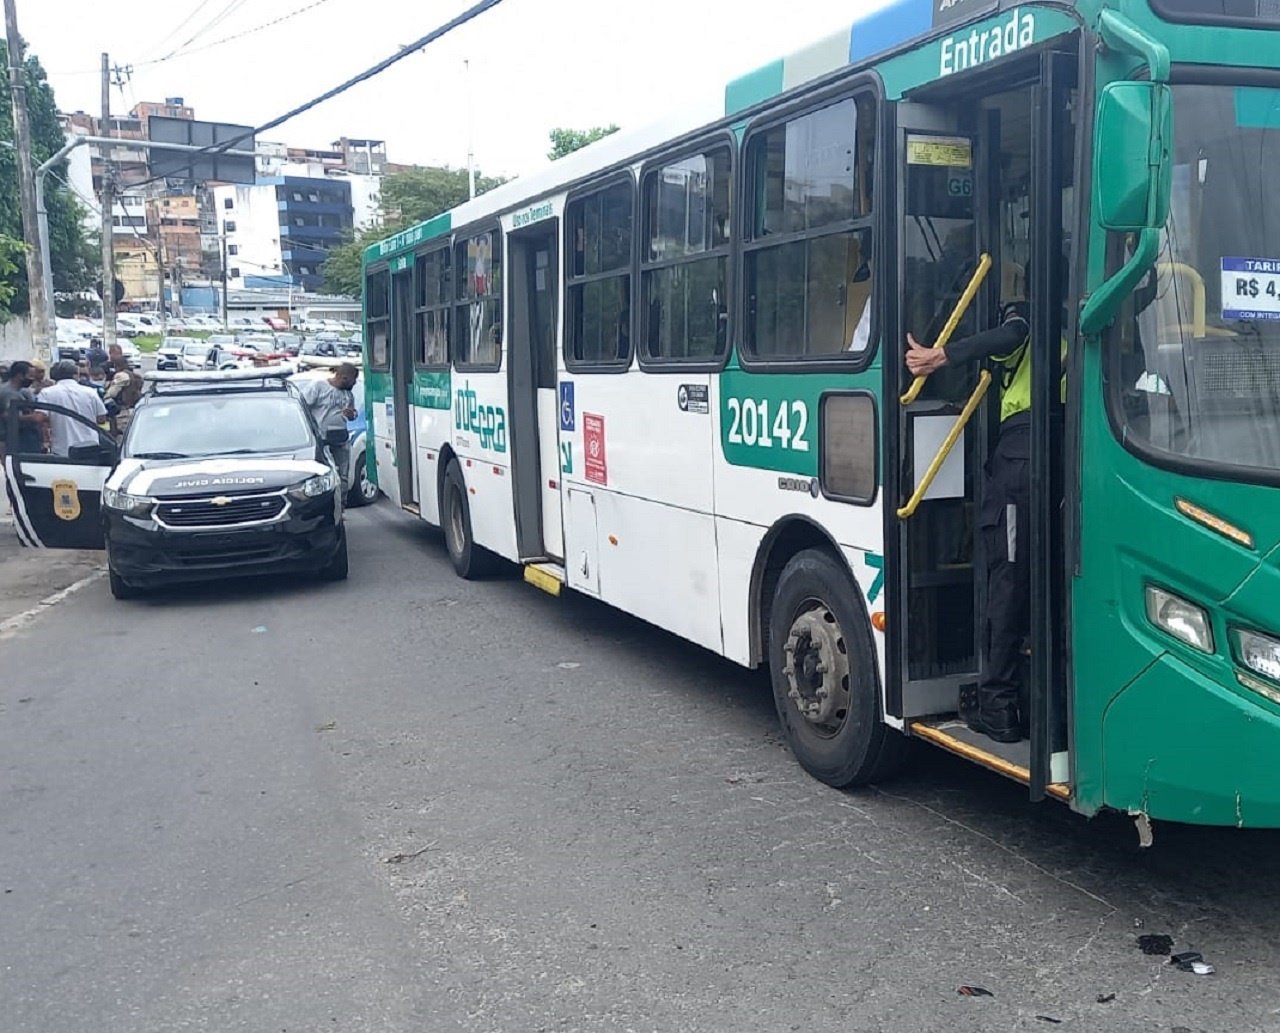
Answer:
[(169, 354), (327, 350), (360, 490), (130, 351)]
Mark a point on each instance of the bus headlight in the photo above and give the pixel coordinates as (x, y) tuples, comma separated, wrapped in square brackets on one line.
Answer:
[(129, 505), (1260, 653), (1184, 620)]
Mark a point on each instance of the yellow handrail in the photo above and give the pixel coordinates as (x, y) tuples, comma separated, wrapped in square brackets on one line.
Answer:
[(984, 382), (1197, 292), (979, 274)]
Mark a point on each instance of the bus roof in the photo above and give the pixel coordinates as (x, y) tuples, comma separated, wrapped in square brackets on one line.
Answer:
[(874, 36)]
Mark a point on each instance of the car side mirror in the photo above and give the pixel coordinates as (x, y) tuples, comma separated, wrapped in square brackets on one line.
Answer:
[(335, 438)]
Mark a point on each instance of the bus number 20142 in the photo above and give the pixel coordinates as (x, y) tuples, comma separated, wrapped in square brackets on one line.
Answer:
[(752, 423)]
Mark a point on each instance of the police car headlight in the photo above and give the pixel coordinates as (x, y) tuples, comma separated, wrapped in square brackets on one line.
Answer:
[(1180, 618), (129, 505), (314, 487), (1260, 653)]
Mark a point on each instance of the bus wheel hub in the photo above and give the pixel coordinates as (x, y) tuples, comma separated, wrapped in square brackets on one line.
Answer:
[(817, 668)]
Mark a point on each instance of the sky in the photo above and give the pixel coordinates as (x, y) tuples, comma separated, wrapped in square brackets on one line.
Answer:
[(533, 64)]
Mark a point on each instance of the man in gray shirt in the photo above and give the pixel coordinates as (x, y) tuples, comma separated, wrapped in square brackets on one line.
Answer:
[(331, 405)]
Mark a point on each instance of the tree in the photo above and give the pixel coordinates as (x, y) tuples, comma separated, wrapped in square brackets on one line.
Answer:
[(408, 197), (73, 260), (566, 141)]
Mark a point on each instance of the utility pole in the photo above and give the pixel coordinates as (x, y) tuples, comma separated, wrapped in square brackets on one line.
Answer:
[(471, 155), (39, 287), (222, 301), (108, 217), (160, 271)]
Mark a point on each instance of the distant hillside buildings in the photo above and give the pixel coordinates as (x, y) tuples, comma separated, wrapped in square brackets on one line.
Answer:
[(273, 235)]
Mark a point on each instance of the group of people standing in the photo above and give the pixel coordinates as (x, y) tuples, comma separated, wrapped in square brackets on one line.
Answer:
[(101, 387)]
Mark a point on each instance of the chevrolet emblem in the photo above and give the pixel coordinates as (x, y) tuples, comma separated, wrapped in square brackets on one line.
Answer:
[(220, 500)]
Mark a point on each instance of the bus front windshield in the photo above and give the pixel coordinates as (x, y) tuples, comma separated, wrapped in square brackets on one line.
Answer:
[(1198, 364)]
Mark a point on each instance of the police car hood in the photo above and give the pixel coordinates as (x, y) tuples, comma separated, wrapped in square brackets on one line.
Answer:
[(232, 475)]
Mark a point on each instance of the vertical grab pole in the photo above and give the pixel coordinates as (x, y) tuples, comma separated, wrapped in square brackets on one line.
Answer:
[(957, 314)]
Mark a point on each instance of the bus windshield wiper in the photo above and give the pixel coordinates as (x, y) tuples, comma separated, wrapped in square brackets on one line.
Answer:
[(159, 455)]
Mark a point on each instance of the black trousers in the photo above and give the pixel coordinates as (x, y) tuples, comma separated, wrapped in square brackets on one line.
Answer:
[(1005, 523)]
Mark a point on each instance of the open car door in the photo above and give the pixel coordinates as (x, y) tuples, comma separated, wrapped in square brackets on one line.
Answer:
[(57, 500)]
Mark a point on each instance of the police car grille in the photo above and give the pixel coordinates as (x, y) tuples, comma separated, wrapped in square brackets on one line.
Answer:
[(207, 513)]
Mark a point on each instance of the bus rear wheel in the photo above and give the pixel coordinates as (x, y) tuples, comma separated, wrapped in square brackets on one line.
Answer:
[(822, 663), (469, 559)]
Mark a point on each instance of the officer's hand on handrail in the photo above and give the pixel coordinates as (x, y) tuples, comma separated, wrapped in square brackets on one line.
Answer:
[(922, 361)]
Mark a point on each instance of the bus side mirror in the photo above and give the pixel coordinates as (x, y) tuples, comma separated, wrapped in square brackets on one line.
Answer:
[(1132, 171)]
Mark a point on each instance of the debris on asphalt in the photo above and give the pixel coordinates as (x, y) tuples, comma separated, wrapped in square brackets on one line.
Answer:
[(401, 858), (1155, 943), (568, 665), (969, 990), (1106, 998), (1049, 1018), (1192, 961), (328, 726), (261, 629)]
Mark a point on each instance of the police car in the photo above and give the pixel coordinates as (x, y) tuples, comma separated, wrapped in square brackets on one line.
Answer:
[(220, 474)]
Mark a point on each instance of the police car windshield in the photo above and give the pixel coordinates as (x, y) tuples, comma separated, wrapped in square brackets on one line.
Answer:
[(217, 425)]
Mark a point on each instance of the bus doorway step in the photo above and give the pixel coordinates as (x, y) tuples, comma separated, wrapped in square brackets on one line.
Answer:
[(1013, 760), (550, 577)]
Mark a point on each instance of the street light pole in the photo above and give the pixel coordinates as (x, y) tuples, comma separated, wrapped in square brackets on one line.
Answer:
[(38, 283)]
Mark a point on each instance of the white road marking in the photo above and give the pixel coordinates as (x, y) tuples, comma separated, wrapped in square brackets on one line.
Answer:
[(8, 627)]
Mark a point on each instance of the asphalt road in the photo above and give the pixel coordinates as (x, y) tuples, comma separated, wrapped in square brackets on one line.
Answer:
[(411, 803)]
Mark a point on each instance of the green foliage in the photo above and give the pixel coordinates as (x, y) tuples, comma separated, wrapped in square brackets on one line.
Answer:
[(566, 141), (408, 197), (74, 261)]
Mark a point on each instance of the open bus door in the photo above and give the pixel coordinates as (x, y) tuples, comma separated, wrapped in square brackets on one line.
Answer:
[(533, 279), (57, 500), (402, 358), (988, 172)]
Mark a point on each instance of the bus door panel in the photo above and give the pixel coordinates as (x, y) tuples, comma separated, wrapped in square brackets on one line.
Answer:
[(932, 633), (403, 423), (535, 410), (1053, 161)]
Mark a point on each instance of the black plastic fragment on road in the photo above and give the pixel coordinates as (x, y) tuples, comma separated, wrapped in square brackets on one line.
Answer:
[(1106, 998), (1049, 1018), (969, 990), (1155, 943)]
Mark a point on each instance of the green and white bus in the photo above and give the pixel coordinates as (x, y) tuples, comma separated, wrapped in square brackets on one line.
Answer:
[(667, 372)]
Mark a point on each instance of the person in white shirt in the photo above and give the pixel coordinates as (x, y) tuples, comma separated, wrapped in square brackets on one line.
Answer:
[(69, 393), (332, 405)]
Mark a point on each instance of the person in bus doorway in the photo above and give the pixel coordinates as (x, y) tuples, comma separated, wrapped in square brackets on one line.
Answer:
[(332, 405), (1004, 517)]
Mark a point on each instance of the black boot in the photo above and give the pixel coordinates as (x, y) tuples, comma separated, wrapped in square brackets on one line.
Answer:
[(996, 721)]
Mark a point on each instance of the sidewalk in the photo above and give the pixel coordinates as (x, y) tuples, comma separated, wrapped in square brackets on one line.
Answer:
[(29, 575)]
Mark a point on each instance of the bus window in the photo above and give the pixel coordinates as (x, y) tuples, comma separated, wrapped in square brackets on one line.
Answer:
[(377, 292), (431, 309), (598, 320), (684, 275), (477, 311), (808, 248)]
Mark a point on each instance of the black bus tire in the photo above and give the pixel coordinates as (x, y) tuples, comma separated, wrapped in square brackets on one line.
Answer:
[(470, 560), (822, 662)]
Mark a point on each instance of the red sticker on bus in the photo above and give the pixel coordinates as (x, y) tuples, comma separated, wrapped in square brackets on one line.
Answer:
[(597, 469)]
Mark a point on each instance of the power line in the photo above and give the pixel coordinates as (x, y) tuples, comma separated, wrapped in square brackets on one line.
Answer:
[(180, 26), (419, 44), (240, 35), (228, 9)]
